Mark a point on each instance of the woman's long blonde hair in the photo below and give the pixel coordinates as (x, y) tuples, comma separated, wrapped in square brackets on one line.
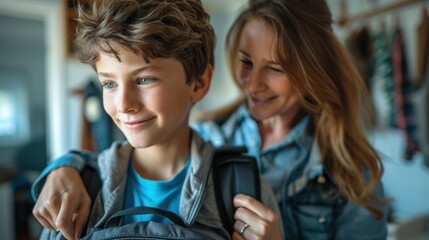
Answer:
[(329, 86)]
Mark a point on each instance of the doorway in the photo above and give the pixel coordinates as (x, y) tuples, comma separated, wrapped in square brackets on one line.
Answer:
[(30, 77)]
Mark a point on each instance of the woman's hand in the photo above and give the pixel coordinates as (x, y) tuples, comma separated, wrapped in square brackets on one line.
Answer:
[(63, 204), (254, 220)]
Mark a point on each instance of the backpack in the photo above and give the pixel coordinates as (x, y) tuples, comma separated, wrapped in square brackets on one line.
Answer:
[(233, 172)]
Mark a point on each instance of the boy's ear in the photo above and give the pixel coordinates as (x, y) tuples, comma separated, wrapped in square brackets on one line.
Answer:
[(202, 84)]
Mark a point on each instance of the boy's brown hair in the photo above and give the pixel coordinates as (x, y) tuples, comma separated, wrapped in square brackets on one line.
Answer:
[(177, 29)]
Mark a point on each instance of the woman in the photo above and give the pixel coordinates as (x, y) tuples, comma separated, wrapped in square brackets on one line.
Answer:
[(302, 120)]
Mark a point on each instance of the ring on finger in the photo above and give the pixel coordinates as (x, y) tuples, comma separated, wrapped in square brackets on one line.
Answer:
[(245, 226)]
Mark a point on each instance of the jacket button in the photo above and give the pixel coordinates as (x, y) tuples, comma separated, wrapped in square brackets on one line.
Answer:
[(321, 179), (322, 219)]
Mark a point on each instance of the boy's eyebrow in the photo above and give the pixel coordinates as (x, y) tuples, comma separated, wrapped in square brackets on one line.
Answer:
[(104, 74)]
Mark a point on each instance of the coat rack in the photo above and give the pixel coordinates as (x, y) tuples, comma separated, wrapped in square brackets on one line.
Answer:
[(344, 19)]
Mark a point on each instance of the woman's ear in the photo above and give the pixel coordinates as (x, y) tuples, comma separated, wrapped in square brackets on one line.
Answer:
[(202, 84)]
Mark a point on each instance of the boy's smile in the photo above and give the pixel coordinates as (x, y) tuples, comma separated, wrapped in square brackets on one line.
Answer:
[(149, 102), (137, 124)]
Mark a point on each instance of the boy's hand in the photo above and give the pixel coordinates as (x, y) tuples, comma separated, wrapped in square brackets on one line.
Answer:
[(63, 204), (254, 220)]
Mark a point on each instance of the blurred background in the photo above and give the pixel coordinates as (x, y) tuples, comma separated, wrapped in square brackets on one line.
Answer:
[(49, 103)]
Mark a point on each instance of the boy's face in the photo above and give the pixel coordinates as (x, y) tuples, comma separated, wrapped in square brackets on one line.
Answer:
[(149, 102)]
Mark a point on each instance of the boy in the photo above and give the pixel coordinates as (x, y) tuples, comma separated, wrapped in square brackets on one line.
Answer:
[(154, 60)]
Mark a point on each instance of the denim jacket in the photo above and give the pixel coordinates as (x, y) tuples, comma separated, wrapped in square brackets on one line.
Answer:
[(307, 195), (198, 202)]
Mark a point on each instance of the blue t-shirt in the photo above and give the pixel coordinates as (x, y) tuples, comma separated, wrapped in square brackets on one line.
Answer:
[(153, 193)]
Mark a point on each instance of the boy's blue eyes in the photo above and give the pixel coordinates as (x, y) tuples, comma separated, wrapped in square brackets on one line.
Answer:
[(145, 80), (141, 81), (109, 85)]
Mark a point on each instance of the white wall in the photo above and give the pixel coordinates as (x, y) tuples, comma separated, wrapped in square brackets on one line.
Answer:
[(222, 90), (77, 75)]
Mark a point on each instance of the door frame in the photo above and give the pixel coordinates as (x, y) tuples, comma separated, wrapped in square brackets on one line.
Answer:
[(52, 14)]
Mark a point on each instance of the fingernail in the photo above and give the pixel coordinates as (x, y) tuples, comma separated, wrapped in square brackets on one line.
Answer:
[(74, 217)]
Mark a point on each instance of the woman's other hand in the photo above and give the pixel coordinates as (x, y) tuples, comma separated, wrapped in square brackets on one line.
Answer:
[(64, 203), (254, 220)]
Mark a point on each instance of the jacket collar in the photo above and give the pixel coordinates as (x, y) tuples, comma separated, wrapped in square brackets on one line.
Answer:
[(114, 164)]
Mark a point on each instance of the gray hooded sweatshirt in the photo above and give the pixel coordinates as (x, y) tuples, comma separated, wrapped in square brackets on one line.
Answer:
[(198, 205)]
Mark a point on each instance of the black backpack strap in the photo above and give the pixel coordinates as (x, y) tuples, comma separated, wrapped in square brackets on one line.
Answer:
[(92, 182), (115, 219), (234, 172)]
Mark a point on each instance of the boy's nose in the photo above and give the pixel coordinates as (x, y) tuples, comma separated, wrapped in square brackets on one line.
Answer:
[(127, 101)]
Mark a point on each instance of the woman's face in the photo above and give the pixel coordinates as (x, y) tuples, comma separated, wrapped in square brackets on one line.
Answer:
[(269, 91)]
